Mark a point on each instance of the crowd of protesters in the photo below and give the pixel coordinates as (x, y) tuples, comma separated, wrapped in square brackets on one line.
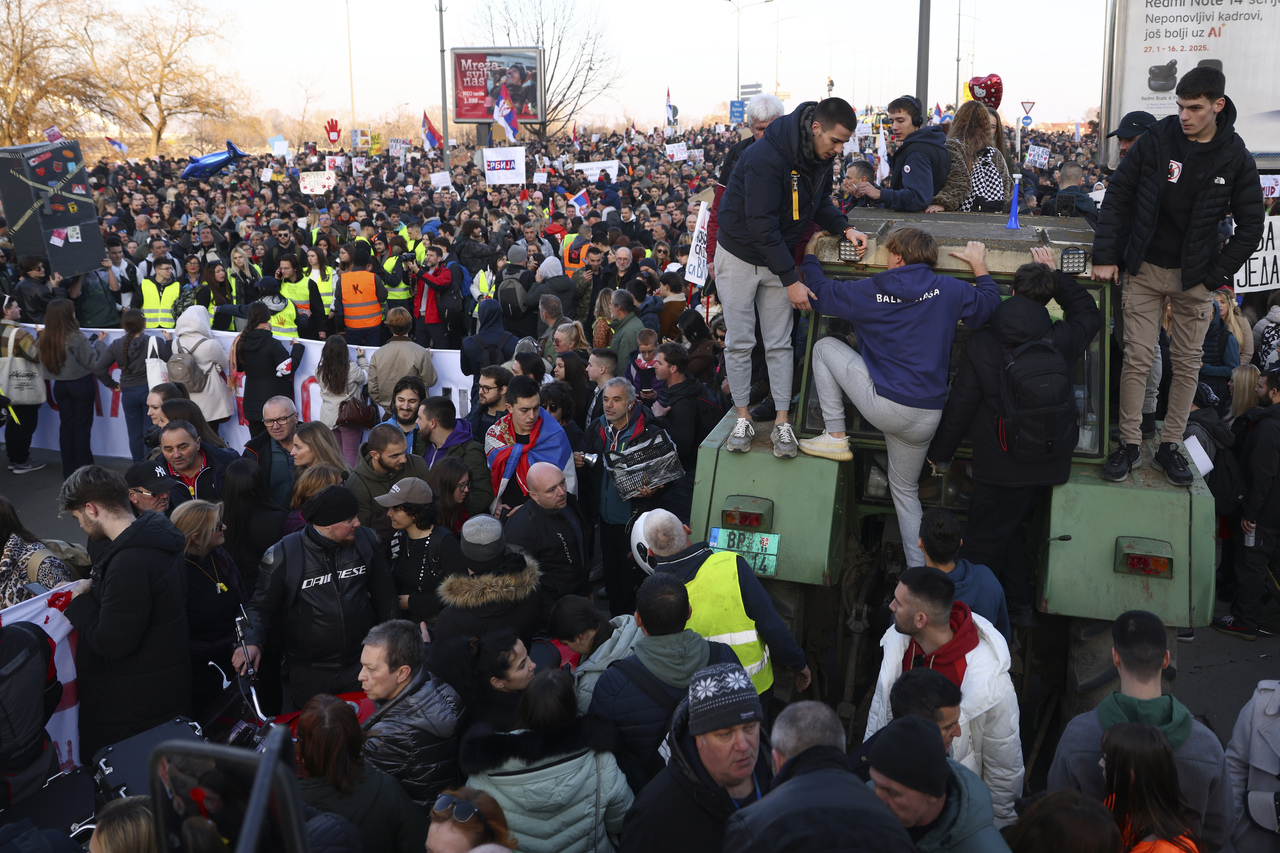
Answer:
[(540, 681)]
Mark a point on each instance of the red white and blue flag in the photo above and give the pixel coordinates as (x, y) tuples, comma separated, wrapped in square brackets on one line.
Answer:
[(575, 137), (547, 443), (430, 138), (634, 132), (505, 114), (937, 113), (117, 144), (46, 610), (670, 117), (581, 201)]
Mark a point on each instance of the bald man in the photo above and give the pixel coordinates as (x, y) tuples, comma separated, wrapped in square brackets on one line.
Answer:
[(549, 528)]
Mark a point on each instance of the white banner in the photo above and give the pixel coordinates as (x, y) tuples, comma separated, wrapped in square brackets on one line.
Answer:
[(592, 170), (504, 166), (440, 180), (316, 183), (110, 437), (358, 164), (539, 177), (696, 269), (334, 163), (1270, 186), (677, 152), (1038, 156), (1262, 270), (47, 612)]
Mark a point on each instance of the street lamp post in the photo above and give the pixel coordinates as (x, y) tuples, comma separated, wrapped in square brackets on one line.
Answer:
[(351, 74), (444, 96), (738, 91)]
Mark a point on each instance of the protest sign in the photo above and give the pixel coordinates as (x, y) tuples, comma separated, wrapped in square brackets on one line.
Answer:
[(265, 174), (360, 137), (1270, 186), (539, 177), (316, 183), (1262, 270), (696, 269), (677, 152), (1038, 156), (46, 610), (592, 170), (335, 163), (697, 155), (504, 165), (440, 180), (358, 164)]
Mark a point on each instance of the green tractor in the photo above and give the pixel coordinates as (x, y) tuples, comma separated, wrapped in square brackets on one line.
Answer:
[(823, 538)]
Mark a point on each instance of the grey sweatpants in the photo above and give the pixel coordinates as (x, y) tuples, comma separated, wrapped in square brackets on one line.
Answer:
[(907, 431), (741, 287)]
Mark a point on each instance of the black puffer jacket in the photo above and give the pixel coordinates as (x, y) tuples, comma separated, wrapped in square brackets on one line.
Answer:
[(755, 214), (555, 540), (1260, 462), (1131, 207), (132, 666), (414, 737), (973, 406), (476, 605), (344, 590), (260, 355), (817, 803)]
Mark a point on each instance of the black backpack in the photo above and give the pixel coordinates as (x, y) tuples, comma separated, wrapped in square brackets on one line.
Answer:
[(1226, 483), (449, 303), (511, 295), (491, 354), (1038, 419)]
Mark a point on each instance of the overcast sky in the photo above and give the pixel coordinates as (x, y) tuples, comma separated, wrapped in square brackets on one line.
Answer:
[(868, 48)]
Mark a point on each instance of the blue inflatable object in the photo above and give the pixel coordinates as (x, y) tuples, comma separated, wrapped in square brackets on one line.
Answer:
[(1013, 207), (210, 164)]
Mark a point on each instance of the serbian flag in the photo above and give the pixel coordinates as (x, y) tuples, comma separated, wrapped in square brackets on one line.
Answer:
[(430, 138), (505, 114), (937, 113), (581, 201), (509, 459), (634, 132), (670, 117), (117, 144), (575, 137), (46, 611)]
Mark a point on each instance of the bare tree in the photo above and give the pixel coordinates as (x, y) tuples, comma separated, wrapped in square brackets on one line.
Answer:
[(581, 64), (43, 79), (310, 95), (157, 79)]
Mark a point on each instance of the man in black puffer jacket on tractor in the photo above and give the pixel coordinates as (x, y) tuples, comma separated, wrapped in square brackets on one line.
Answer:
[(1159, 224)]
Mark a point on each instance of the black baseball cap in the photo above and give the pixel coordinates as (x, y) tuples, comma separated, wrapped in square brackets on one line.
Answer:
[(149, 474), (1133, 124)]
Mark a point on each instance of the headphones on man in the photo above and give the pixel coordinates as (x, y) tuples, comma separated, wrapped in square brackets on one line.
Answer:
[(917, 115)]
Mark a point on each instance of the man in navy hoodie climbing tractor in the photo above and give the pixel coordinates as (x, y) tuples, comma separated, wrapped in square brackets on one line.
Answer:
[(905, 319), (918, 169), (779, 187)]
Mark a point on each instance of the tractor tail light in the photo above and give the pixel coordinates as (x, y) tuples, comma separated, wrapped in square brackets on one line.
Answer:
[(737, 518)]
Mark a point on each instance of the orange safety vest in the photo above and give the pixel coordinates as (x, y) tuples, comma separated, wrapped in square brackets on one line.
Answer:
[(360, 307), (573, 259)]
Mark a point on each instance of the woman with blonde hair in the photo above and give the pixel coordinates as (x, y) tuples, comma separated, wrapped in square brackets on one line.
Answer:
[(124, 826), (1225, 300), (602, 331), (214, 596), (314, 444), (1244, 390), (306, 486)]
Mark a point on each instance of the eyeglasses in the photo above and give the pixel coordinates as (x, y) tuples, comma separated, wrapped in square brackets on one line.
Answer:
[(484, 387), (463, 811), (464, 486), (279, 421)]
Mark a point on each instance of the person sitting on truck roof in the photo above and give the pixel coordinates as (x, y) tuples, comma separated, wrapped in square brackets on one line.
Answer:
[(918, 169), (932, 630), (729, 604), (1139, 652), (905, 319), (1007, 490), (975, 584)]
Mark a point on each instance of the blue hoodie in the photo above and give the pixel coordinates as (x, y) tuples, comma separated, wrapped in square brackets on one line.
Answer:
[(906, 321)]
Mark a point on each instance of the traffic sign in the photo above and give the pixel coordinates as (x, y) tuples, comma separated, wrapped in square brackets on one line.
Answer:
[(1027, 105), (746, 90), (1026, 121), (737, 112)]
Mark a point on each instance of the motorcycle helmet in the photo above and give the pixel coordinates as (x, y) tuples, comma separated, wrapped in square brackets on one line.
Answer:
[(640, 550)]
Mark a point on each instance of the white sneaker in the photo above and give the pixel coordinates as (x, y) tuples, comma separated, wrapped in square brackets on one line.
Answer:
[(26, 467), (740, 437), (827, 447)]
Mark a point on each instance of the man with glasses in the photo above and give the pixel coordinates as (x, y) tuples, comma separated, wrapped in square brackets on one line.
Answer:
[(272, 448), (149, 485), (491, 388), (159, 250)]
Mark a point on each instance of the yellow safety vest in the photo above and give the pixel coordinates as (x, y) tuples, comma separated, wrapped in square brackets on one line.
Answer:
[(720, 617), (325, 286), (400, 290), (419, 249), (157, 304), (481, 283), (299, 293), (284, 323)]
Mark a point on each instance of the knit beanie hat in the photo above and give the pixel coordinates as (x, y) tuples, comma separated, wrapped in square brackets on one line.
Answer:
[(332, 505), (483, 543), (720, 697), (517, 255), (910, 752)]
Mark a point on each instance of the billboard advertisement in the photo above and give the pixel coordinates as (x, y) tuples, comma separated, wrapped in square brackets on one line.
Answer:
[(479, 74)]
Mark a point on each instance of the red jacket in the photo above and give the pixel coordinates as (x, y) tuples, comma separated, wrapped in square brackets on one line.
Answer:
[(428, 283)]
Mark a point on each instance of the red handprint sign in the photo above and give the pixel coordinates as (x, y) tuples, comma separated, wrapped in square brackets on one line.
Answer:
[(331, 128)]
